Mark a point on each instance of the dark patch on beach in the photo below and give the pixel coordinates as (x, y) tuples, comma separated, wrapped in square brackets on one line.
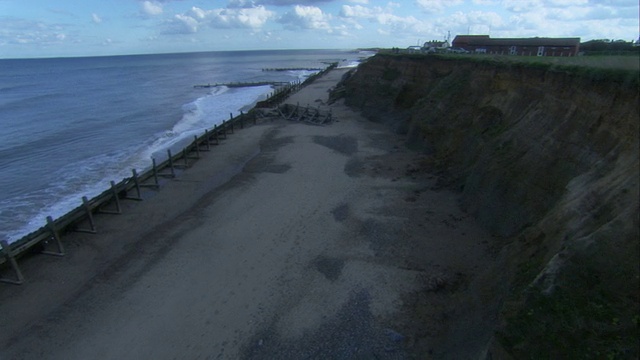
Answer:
[(352, 333), (341, 212), (277, 168), (264, 164), (271, 142), (383, 238), (354, 167), (343, 144), (331, 268)]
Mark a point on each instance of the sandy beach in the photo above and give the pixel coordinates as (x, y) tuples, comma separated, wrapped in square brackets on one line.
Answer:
[(287, 241)]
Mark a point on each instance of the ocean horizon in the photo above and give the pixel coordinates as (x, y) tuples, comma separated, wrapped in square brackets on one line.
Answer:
[(73, 124), (208, 52)]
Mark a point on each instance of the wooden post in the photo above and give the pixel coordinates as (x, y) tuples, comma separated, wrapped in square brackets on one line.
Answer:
[(136, 182), (185, 158), (206, 135), (231, 121), (92, 225), (116, 199), (6, 250), (56, 236), (195, 144), (154, 170), (215, 134), (173, 171), (224, 128), (156, 183)]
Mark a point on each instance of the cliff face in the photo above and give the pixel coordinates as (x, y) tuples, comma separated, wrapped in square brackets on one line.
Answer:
[(546, 160)]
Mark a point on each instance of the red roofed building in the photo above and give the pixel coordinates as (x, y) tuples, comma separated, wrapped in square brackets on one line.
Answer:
[(518, 46)]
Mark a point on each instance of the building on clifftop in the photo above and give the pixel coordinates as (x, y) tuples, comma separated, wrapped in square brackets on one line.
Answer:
[(537, 46), (436, 45)]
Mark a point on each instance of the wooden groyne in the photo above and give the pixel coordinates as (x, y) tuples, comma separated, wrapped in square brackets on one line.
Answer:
[(244, 84), (47, 240), (308, 114), (292, 69), (280, 94)]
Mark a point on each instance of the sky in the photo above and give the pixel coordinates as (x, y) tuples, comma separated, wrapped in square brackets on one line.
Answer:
[(62, 28)]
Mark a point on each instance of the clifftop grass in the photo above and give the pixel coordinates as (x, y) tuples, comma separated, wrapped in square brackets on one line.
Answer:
[(624, 69)]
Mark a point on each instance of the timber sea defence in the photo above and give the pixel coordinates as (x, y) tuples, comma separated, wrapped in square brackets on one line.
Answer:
[(48, 239)]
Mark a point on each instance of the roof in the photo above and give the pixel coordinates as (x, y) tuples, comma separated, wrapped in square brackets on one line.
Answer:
[(485, 40)]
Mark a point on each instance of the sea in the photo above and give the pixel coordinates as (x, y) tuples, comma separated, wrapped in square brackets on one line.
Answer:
[(72, 125)]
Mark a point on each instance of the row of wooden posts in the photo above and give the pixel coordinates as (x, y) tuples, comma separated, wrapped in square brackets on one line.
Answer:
[(292, 69), (108, 202)]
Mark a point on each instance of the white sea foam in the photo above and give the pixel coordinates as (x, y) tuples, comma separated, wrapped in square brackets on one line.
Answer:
[(351, 64), (69, 184), (203, 114), (91, 176), (104, 121)]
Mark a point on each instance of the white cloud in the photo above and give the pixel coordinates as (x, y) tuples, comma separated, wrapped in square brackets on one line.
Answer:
[(241, 4), (27, 32), (566, 3), (306, 17), (485, 2), (356, 11), (291, 2), (359, 1), (489, 19), (567, 14), (152, 8), (434, 6), (405, 29), (519, 6), (238, 18), (353, 23), (196, 18), (95, 18), (187, 24)]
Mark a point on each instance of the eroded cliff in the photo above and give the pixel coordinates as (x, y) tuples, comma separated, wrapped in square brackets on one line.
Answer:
[(547, 160)]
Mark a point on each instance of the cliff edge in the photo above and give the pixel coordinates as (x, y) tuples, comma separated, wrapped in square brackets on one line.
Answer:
[(546, 158)]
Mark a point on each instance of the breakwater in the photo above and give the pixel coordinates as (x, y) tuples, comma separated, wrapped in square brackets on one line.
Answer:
[(292, 69), (242, 84), (48, 239)]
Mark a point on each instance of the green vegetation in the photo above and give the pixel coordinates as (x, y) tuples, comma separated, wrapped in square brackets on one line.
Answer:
[(622, 62), (624, 69), (391, 74), (572, 323), (590, 312), (609, 47), (452, 83)]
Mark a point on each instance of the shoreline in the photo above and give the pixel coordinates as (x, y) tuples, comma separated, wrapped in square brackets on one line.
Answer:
[(70, 221), (289, 238)]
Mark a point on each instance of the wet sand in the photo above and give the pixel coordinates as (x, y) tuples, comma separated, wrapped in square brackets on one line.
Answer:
[(287, 241)]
